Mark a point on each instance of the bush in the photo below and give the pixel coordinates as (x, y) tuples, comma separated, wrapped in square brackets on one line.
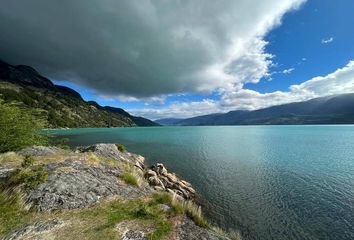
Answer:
[(28, 175), (18, 126), (121, 147), (28, 161)]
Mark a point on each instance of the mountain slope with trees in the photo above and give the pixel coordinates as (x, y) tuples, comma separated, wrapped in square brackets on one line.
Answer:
[(62, 106)]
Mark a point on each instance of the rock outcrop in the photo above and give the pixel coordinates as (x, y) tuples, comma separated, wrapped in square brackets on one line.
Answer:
[(37, 230), (89, 175), (75, 184), (187, 229), (40, 151), (162, 180), (79, 181)]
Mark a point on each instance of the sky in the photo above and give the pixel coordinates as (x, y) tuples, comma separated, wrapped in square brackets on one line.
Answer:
[(162, 59)]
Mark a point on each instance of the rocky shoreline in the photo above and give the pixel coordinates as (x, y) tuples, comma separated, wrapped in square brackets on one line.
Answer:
[(92, 175)]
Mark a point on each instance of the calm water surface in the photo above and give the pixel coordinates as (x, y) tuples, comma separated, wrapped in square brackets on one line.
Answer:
[(270, 182)]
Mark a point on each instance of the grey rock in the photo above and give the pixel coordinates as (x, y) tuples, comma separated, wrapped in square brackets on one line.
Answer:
[(111, 151), (40, 151), (150, 173), (106, 150), (81, 188), (164, 207), (130, 230), (160, 169), (36, 228), (5, 171), (187, 229), (159, 189), (159, 176), (134, 235), (155, 181)]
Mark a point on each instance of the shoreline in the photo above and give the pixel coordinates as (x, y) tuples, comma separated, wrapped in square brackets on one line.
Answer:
[(83, 179)]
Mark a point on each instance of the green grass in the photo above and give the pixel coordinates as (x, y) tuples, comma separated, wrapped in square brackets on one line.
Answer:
[(146, 213), (130, 178), (100, 222), (92, 223), (12, 213)]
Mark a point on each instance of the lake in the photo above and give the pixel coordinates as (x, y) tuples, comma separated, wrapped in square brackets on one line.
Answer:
[(269, 182)]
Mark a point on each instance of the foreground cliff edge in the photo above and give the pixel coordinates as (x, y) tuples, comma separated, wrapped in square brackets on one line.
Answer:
[(96, 192)]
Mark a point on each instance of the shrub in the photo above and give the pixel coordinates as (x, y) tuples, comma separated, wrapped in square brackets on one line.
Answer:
[(28, 176), (121, 147), (28, 161), (18, 128)]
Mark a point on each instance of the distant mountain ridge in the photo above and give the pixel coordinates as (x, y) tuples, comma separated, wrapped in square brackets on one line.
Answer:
[(63, 106), (337, 109), (168, 121)]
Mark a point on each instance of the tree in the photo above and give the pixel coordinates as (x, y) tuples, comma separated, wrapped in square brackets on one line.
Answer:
[(18, 127)]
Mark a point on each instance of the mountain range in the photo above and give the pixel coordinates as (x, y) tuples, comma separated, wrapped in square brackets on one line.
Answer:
[(62, 106), (336, 109)]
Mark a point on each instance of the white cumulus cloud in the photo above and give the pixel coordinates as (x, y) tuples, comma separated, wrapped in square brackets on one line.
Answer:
[(339, 82), (327, 40)]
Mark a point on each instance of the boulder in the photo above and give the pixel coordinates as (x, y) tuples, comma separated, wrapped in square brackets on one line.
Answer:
[(160, 169), (155, 181), (81, 188), (150, 173), (40, 151), (158, 175), (105, 150)]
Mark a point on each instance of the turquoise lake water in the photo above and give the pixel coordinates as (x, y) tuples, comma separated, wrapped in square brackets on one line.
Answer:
[(270, 182)]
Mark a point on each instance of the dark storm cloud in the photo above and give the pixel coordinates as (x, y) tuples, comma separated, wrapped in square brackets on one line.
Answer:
[(139, 48)]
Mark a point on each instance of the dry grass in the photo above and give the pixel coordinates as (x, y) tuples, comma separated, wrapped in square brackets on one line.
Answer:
[(94, 159), (180, 206), (10, 158), (234, 235), (54, 158)]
